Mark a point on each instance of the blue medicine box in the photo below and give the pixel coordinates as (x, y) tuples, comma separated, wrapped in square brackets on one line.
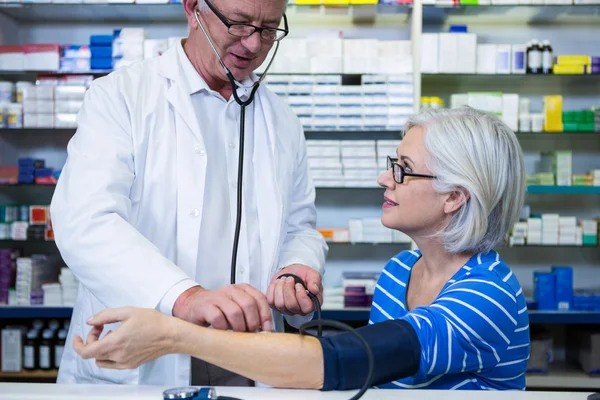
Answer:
[(101, 40), (564, 288), (544, 290), (101, 63), (101, 51)]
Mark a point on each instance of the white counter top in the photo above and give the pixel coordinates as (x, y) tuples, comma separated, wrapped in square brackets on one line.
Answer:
[(31, 391)]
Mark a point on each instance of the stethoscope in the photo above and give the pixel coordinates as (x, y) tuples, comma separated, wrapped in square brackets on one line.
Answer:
[(195, 393), (243, 104)]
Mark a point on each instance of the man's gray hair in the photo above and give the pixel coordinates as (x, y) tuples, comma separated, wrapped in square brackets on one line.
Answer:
[(202, 7), (479, 153)]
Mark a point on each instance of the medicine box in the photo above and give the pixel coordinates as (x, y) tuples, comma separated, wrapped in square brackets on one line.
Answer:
[(564, 287), (544, 290)]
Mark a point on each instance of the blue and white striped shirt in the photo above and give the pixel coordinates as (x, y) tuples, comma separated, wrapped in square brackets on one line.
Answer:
[(475, 335)]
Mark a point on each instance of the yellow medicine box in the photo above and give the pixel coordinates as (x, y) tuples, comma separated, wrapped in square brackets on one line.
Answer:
[(558, 69), (574, 60), (553, 111)]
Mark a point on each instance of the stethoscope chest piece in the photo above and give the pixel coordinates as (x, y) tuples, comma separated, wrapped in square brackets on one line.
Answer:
[(190, 393)]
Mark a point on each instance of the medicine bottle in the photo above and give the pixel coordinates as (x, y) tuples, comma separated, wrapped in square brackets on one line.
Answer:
[(30, 350), (534, 58), (547, 59), (59, 348), (47, 349)]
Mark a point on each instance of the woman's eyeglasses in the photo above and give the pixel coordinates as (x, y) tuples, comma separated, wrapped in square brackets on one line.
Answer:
[(399, 173)]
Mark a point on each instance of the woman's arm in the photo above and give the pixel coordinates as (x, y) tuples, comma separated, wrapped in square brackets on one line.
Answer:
[(279, 360)]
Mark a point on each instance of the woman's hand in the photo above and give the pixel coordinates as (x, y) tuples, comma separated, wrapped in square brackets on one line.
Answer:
[(143, 336)]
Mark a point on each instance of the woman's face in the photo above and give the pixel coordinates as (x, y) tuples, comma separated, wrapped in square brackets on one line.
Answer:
[(412, 207)]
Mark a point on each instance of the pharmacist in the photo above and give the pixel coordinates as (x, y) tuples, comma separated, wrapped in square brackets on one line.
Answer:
[(144, 212)]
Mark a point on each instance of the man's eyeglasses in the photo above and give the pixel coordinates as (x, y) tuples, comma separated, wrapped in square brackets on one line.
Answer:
[(399, 173), (247, 30)]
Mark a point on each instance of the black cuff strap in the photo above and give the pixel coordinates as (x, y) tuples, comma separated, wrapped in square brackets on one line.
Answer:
[(394, 343)]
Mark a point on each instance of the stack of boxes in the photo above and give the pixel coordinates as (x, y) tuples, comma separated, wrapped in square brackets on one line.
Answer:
[(371, 230), (69, 285), (586, 300), (69, 99), (324, 163), (567, 231), (25, 223), (589, 232), (6, 274), (75, 58), (41, 57), (323, 103), (578, 121), (550, 229), (348, 163), (555, 230), (576, 65), (359, 160), (341, 56), (38, 106), (554, 290), (101, 52), (28, 169), (359, 288), (561, 164), (504, 105), (127, 46)]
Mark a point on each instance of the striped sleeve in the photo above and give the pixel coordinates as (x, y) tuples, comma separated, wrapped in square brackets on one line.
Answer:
[(467, 328)]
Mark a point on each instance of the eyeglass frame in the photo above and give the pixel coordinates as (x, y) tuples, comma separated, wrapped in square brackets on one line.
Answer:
[(258, 29), (393, 163)]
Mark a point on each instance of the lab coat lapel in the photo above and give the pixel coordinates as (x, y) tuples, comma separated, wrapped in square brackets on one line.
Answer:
[(191, 163), (268, 194)]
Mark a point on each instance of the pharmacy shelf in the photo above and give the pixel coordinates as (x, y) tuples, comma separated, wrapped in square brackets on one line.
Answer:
[(535, 317), (576, 190), (27, 376), (563, 377), (27, 312), (374, 134), (165, 13), (340, 314), (515, 12), (563, 189)]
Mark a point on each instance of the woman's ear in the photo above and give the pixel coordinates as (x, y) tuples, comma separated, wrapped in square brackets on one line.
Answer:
[(455, 200)]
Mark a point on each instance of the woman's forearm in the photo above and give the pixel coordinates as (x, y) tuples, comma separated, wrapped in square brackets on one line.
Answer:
[(279, 360)]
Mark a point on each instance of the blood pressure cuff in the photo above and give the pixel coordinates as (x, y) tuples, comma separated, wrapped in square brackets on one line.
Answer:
[(394, 343)]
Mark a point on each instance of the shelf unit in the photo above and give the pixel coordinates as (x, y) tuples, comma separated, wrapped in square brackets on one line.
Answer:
[(34, 14), (40, 376)]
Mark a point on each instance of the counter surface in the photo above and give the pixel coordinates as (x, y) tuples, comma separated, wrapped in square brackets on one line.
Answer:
[(21, 391)]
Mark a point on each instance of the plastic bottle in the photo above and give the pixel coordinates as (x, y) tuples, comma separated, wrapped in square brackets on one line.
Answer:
[(59, 348), (6, 91), (14, 115), (30, 350), (3, 116), (534, 58), (547, 58), (47, 349)]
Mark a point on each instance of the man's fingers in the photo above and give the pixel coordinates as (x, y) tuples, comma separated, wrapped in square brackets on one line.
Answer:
[(279, 300), (234, 314), (264, 311), (94, 334), (215, 317), (99, 349), (249, 307), (289, 295), (305, 302), (110, 316)]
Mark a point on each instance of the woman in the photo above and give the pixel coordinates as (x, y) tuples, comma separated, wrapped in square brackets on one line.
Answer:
[(451, 315)]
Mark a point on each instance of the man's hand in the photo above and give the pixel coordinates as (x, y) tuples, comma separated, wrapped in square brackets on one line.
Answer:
[(291, 299), (239, 307)]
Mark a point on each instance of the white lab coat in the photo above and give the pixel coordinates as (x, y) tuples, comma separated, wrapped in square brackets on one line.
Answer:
[(127, 208)]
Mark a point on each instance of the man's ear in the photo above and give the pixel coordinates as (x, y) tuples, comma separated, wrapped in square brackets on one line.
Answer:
[(189, 7), (455, 200)]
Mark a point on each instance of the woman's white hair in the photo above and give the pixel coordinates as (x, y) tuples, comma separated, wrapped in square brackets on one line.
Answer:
[(478, 153)]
